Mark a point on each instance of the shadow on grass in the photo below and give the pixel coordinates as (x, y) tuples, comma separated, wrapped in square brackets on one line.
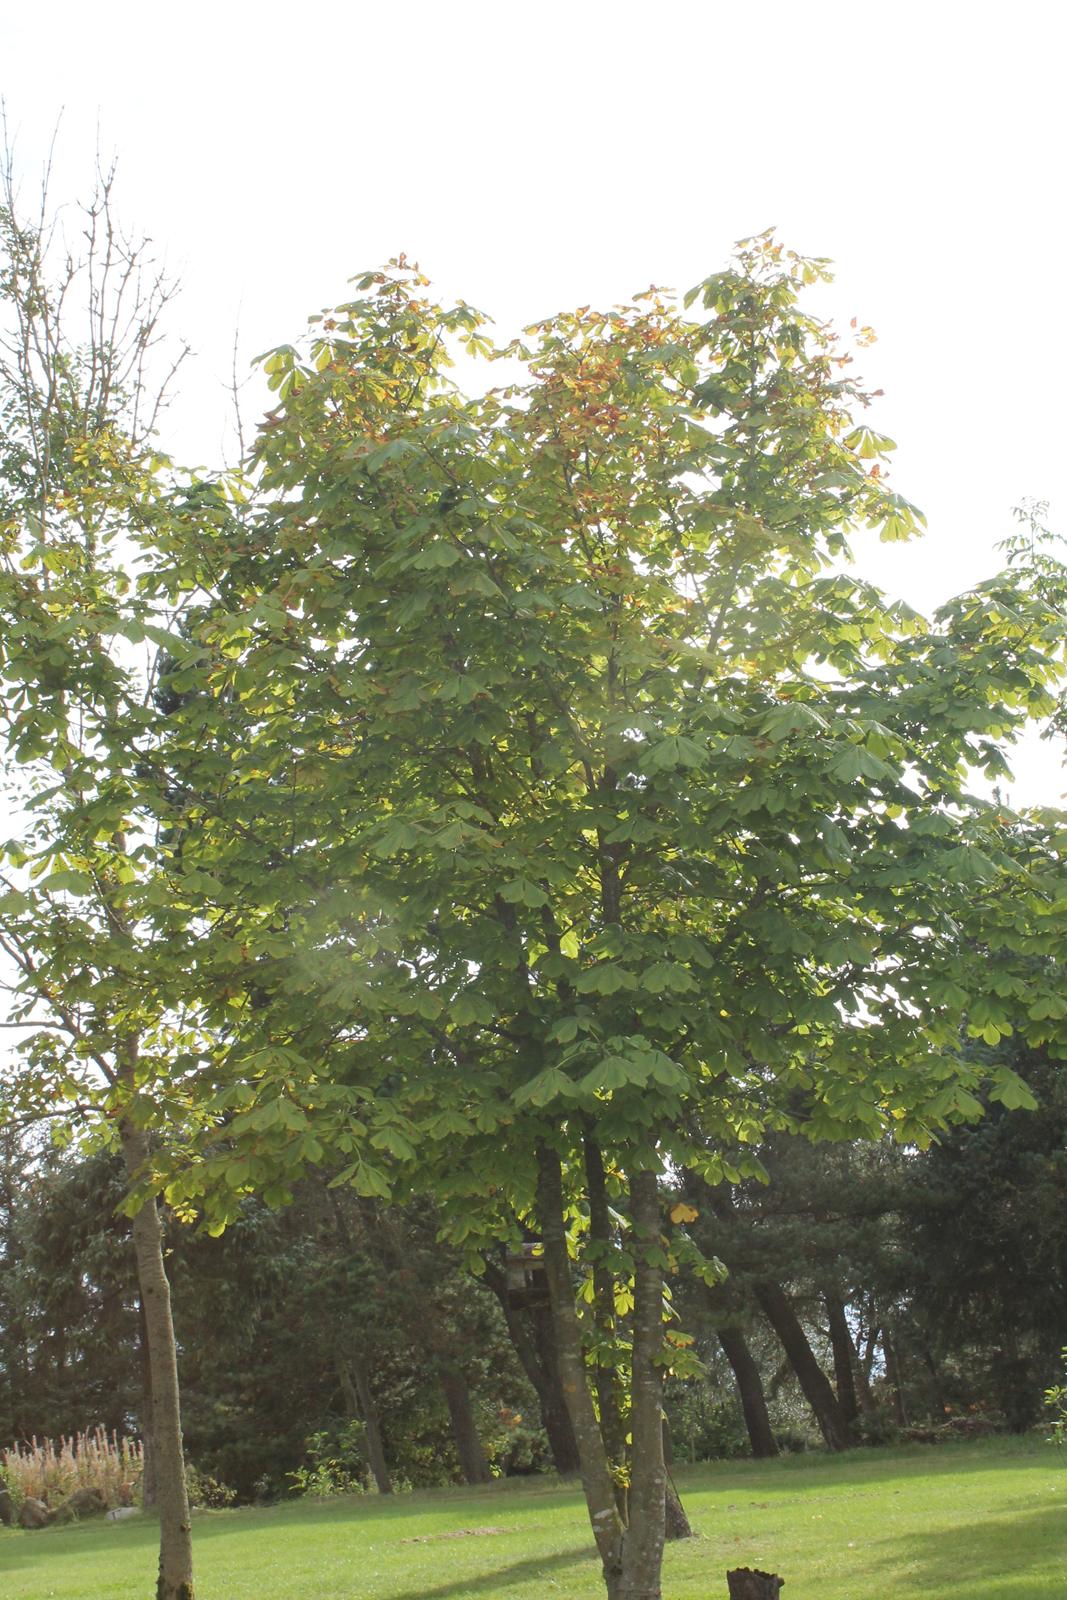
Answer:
[(33, 1549), (970, 1557), (501, 1578)]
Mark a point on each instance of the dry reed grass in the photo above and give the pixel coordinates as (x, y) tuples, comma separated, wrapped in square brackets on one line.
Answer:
[(51, 1469)]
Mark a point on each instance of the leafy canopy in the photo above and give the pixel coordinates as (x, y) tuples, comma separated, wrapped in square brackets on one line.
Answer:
[(545, 770)]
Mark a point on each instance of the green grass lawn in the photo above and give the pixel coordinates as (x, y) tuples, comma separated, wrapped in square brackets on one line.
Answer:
[(963, 1522)]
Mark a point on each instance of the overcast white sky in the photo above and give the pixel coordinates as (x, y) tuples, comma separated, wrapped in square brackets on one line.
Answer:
[(534, 156)]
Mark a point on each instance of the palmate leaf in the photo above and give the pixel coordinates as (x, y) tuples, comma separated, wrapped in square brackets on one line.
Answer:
[(676, 751), (550, 1085)]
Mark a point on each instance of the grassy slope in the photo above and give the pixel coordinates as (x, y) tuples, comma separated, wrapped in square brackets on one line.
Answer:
[(970, 1522)]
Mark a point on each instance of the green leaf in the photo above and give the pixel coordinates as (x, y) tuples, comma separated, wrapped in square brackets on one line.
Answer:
[(469, 1007), (521, 891), (549, 1085), (605, 978), (70, 881), (1011, 1091), (789, 719), (677, 751)]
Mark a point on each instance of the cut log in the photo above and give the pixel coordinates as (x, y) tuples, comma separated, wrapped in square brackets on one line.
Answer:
[(748, 1583)]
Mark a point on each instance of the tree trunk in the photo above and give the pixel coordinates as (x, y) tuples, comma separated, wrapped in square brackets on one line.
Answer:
[(864, 1347), (530, 1330), (750, 1389), (361, 1403), (175, 1535), (844, 1357), (676, 1524), (865, 1365), (642, 1553), (472, 1462), (600, 1247), (597, 1481), (813, 1381), (558, 1424), (893, 1378), (148, 1475), (935, 1381)]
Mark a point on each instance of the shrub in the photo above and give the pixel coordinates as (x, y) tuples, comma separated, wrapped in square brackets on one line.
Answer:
[(335, 1464), (512, 1445), (51, 1469), (207, 1492), (1056, 1402)]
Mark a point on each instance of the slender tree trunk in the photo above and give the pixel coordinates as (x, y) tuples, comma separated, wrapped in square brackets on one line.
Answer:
[(558, 1424), (864, 1346), (457, 1394), (642, 1555), (530, 1331), (893, 1378), (750, 1389), (935, 1380), (844, 1357), (597, 1481), (600, 1247), (175, 1534), (870, 1345), (111, 1326), (813, 1381), (148, 1446), (359, 1397), (676, 1524)]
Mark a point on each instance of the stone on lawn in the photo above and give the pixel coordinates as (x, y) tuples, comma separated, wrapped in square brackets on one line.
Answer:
[(34, 1513), (82, 1503)]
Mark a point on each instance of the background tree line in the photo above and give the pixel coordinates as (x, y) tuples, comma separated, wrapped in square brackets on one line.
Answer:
[(872, 1291)]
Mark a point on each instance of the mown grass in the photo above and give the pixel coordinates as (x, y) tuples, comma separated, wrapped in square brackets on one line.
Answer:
[(966, 1522)]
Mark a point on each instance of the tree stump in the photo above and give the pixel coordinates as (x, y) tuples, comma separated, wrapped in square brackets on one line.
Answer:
[(748, 1583)]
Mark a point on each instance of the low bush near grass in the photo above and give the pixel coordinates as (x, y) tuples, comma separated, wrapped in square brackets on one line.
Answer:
[(51, 1469)]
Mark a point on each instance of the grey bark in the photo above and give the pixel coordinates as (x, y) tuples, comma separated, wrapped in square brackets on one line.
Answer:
[(642, 1553), (175, 1580), (148, 1449)]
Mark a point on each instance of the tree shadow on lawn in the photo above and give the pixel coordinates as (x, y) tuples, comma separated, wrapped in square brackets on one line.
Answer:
[(978, 1557), (141, 1536), (501, 1578)]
